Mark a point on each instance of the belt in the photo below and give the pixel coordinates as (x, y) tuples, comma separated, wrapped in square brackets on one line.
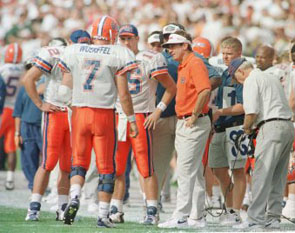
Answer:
[(261, 123), (189, 115), (63, 109), (222, 128)]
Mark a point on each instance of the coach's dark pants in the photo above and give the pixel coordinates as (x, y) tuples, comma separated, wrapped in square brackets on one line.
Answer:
[(30, 150)]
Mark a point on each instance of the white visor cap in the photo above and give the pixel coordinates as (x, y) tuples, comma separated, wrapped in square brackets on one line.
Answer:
[(170, 28), (154, 38), (176, 39)]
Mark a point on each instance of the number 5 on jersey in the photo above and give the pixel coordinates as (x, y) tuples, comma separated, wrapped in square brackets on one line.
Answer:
[(90, 70)]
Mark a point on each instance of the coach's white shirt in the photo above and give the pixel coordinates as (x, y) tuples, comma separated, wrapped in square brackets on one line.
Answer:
[(263, 95)]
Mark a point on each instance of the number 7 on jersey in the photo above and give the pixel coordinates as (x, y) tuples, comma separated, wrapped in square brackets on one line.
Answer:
[(91, 67)]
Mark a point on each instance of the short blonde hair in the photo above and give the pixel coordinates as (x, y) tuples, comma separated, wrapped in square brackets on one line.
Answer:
[(232, 42)]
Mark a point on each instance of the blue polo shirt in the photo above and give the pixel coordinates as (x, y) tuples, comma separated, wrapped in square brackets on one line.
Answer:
[(172, 70), (2, 94), (25, 109), (211, 70), (227, 96)]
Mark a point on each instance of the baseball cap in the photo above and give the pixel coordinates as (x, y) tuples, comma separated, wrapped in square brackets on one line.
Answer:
[(176, 39), (170, 28), (234, 65), (128, 30), (80, 36), (154, 38)]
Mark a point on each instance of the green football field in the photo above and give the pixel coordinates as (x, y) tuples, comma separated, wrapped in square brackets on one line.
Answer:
[(12, 221)]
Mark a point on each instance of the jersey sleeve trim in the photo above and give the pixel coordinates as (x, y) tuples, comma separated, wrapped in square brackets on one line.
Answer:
[(129, 66), (63, 66), (42, 64), (159, 70)]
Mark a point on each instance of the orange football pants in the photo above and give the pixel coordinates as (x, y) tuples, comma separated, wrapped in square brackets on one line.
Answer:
[(94, 128), (142, 148), (56, 141), (7, 130)]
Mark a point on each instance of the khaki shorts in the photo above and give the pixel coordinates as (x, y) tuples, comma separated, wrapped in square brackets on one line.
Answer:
[(219, 156)]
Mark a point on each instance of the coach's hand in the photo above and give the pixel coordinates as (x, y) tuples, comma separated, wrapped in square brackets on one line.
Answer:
[(47, 107), (133, 130), (151, 121), (191, 121)]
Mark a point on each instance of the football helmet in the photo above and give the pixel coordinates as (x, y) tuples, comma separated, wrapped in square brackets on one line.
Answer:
[(203, 46), (105, 28), (13, 53)]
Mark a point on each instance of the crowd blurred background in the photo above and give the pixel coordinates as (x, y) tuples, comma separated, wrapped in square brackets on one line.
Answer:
[(33, 22)]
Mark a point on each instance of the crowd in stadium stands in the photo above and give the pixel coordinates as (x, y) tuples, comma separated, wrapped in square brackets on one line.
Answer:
[(33, 22)]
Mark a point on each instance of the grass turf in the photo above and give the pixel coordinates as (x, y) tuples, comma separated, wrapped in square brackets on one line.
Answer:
[(12, 221)]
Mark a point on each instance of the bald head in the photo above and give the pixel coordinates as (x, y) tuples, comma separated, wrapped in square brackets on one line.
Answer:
[(264, 57)]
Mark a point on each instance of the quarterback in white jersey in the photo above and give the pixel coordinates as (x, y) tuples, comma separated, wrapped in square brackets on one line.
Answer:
[(93, 69), (56, 132), (97, 73), (142, 86), (11, 73)]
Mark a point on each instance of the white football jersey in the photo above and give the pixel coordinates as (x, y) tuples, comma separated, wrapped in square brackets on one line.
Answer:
[(142, 83), (93, 68), (11, 74), (47, 61)]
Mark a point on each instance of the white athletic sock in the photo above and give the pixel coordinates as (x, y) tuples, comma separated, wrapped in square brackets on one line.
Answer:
[(10, 176), (236, 211), (285, 198), (291, 197), (215, 191), (75, 191), (36, 197), (153, 203), (118, 204), (103, 209), (62, 199)]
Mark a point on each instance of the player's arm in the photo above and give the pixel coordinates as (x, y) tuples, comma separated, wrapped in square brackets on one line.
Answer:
[(65, 89), (249, 122), (215, 82), (170, 86), (17, 137), (30, 79), (126, 102), (2, 95)]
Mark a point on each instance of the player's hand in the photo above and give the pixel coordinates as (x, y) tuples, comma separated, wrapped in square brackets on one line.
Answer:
[(216, 116), (248, 131), (18, 140), (47, 107), (151, 121), (190, 122), (133, 130)]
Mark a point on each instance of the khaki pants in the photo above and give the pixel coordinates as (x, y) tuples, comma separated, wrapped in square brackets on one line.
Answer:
[(274, 142), (163, 147), (190, 146)]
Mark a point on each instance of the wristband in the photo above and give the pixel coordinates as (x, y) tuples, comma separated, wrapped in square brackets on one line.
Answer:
[(16, 133), (131, 118), (162, 106)]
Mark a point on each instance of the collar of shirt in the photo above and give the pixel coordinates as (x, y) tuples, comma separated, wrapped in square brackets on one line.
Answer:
[(187, 60)]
